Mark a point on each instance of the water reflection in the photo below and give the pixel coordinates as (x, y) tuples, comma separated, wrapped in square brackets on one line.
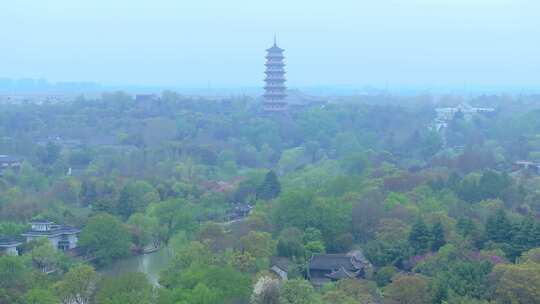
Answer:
[(150, 264)]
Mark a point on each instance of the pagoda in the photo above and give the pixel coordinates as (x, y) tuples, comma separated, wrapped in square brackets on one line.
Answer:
[(274, 89)]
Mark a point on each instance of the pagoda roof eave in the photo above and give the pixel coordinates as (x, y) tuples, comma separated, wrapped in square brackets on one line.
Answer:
[(275, 48)]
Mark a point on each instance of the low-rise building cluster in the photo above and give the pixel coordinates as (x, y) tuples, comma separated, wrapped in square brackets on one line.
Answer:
[(61, 237)]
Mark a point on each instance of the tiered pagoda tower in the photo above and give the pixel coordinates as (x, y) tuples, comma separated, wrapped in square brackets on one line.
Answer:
[(275, 90)]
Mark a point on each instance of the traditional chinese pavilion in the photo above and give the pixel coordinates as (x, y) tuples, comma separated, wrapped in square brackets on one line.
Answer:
[(324, 268), (275, 90), (9, 246), (60, 236)]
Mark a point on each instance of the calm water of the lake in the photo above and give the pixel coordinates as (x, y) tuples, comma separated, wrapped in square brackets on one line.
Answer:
[(150, 264)]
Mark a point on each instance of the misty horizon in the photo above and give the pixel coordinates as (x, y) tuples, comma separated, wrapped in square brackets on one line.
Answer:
[(392, 43), (30, 86), (270, 152)]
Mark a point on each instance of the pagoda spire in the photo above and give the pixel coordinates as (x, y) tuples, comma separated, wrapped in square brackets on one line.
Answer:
[(275, 91)]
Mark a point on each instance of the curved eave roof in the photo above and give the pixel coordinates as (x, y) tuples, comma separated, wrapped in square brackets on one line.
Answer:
[(55, 232), (41, 222), (5, 243), (341, 273), (275, 49), (275, 64)]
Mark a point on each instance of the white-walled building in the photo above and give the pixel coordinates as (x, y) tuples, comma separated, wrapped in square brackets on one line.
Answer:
[(445, 115), (9, 247), (61, 237)]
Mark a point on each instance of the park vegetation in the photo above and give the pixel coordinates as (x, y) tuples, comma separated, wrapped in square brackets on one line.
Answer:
[(441, 215)]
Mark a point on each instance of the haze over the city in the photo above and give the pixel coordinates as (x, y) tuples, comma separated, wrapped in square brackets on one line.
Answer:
[(222, 43), (269, 152)]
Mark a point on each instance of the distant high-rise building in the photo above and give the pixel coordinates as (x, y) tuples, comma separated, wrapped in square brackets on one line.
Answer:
[(274, 89)]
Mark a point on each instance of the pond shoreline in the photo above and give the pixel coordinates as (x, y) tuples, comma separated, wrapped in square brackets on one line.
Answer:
[(149, 263)]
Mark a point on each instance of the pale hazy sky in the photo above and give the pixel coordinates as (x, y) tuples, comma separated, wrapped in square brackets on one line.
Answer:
[(222, 42)]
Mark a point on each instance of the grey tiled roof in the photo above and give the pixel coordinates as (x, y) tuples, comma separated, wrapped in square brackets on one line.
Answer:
[(331, 262), (4, 243), (341, 274), (58, 231), (275, 49), (10, 159), (41, 221)]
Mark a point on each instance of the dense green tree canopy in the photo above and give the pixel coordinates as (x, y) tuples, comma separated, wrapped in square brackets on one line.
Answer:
[(130, 288), (105, 238), (443, 211)]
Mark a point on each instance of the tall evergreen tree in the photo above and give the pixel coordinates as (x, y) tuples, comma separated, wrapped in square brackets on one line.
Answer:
[(465, 226), (523, 238), (536, 235), (420, 237), (499, 228), (88, 194), (453, 181), (492, 185), (270, 188), (439, 239)]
